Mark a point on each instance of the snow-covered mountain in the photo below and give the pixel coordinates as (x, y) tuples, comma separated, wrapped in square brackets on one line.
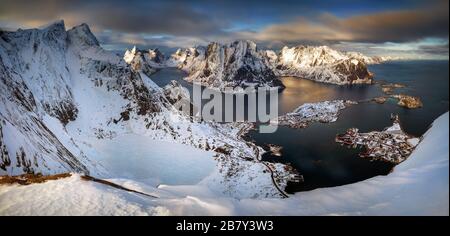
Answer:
[(61, 93), (35, 87), (146, 61), (241, 64), (238, 64), (322, 64), (368, 60)]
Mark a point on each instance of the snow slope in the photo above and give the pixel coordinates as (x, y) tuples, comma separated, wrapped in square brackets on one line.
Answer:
[(418, 186), (153, 162)]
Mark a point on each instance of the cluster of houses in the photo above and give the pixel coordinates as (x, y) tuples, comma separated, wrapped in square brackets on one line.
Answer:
[(391, 145)]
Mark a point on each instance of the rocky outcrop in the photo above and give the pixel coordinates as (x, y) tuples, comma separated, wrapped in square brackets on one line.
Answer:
[(156, 56), (408, 101), (179, 97), (404, 100), (389, 88)]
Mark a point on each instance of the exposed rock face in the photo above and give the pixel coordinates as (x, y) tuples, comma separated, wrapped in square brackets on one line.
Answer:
[(123, 79), (391, 144), (322, 64), (275, 150), (239, 64), (82, 35), (25, 50), (5, 161), (27, 179), (179, 96), (304, 115), (379, 100), (156, 56), (35, 83)]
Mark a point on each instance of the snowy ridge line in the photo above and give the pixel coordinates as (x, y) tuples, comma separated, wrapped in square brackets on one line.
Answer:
[(111, 184)]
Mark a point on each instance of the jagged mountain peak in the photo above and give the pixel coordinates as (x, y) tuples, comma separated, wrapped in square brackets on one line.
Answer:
[(246, 43), (311, 54), (45, 80), (322, 64), (53, 35), (56, 25), (130, 55), (152, 53), (83, 35), (147, 61)]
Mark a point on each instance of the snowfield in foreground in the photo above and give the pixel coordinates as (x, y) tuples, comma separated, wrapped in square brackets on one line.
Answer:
[(152, 161), (418, 186)]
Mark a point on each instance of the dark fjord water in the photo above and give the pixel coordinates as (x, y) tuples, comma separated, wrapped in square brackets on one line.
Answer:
[(313, 151)]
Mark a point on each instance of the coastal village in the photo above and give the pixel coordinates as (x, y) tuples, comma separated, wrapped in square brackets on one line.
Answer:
[(391, 145)]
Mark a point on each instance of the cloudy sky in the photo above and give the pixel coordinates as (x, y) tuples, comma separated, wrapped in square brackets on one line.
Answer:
[(409, 28)]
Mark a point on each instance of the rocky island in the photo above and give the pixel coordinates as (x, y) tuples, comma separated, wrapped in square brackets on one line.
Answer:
[(408, 101), (403, 100), (304, 115)]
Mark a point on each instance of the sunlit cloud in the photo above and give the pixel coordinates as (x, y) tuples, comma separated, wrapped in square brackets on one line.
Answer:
[(389, 26)]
